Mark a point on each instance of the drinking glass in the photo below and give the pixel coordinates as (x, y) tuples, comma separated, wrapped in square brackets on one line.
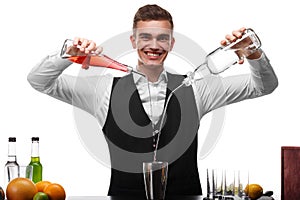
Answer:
[(12, 172), (229, 183), (155, 179), (243, 181), (26, 171), (219, 183), (211, 184)]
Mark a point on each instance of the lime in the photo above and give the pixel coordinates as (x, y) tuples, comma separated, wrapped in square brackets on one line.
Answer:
[(40, 196)]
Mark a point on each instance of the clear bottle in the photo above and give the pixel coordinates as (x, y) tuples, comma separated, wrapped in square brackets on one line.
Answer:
[(35, 160), (11, 169), (222, 58)]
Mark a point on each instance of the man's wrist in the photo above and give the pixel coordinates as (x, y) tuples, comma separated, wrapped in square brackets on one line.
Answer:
[(254, 54)]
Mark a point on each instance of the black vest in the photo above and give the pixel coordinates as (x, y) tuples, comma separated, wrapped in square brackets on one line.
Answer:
[(130, 139)]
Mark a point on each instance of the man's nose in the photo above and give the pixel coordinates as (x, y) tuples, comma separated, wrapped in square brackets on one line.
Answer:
[(154, 44)]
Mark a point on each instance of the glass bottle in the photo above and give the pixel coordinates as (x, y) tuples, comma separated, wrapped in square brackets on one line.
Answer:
[(11, 166), (73, 54), (35, 160), (222, 58)]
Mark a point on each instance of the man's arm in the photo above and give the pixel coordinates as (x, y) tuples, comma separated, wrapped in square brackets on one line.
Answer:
[(83, 92), (214, 92)]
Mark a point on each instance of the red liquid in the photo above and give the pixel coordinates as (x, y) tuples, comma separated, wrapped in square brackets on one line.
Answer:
[(98, 61)]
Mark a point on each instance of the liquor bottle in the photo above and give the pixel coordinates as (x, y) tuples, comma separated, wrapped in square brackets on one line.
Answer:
[(69, 52), (35, 160), (11, 166), (222, 58)]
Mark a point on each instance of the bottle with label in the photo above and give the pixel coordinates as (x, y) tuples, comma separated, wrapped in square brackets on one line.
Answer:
[(35, 160), (11, 167)]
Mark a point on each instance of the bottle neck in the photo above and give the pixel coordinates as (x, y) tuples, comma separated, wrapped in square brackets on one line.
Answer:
[(12, 156), (12, 149), (35, 150), (12, 159)]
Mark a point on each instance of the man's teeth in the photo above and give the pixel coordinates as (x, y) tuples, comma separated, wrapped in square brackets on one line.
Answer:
[(153, 54)]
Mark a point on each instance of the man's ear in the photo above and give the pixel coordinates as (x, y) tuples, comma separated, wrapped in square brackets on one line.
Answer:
[(133, 41), (172, 43)]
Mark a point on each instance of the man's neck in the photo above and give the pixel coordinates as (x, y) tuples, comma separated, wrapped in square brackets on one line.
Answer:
[(152, 72)]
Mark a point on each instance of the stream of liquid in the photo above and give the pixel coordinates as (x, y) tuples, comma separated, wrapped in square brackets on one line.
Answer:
[(186, 82), (162, 117)]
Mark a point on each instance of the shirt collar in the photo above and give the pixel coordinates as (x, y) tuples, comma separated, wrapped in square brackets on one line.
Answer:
[(141, 79)]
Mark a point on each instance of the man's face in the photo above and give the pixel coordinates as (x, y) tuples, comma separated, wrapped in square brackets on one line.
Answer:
[(153, 41)]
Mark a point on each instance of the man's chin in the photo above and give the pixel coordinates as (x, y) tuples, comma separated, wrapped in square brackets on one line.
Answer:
[(150, 64)]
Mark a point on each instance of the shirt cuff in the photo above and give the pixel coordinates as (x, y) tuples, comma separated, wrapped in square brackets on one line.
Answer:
[(260, 64), (59, 62)]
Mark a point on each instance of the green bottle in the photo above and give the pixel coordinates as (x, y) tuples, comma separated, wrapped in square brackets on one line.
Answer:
[(35, 160)]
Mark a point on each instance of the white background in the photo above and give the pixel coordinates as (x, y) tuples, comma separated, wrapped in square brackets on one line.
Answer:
[(253, 132)]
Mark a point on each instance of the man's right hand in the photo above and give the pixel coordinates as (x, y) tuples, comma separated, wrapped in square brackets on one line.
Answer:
[(87, 46)]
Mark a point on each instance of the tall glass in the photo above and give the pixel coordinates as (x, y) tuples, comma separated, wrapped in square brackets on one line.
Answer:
[(243, 181), (26, 172), (211, 184), (229, 183), (155, 179)]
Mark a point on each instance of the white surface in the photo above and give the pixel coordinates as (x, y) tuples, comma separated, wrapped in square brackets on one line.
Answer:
[(31, 29)]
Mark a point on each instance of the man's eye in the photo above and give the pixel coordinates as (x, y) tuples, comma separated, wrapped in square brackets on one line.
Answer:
[(145, 37), (163, 38)]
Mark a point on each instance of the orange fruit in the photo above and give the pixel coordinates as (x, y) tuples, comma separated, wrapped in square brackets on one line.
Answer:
[(55, 192), (20, 189), (41, 185), (254, 191)]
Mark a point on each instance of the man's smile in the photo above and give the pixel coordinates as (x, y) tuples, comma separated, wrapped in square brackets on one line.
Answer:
[(153, 55)]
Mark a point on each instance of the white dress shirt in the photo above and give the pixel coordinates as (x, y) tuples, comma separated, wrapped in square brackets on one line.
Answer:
[(92, 93)]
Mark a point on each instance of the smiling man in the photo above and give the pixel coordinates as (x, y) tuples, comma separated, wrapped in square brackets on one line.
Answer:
[(129, 108)]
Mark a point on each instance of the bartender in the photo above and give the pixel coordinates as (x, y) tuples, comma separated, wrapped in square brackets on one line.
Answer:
[(140, 100)]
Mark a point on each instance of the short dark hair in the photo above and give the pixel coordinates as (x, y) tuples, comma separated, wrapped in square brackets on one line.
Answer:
[(152, 12)]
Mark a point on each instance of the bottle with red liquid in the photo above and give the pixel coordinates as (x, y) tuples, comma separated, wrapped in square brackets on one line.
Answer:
[(71, 52)]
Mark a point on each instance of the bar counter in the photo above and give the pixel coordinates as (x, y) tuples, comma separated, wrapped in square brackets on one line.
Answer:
[(131, 198)]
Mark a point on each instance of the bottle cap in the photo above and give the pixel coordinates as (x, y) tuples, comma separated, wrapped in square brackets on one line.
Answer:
[(35, 139), (12, 139)]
